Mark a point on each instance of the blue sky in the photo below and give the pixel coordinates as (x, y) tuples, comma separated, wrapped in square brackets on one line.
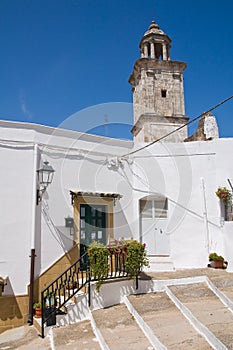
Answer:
[(59, 57)]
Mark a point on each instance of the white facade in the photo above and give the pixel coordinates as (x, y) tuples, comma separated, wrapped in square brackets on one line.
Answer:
[(187, 174)]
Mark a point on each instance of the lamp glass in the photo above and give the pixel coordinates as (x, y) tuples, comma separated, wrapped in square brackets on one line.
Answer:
[(45, 174)]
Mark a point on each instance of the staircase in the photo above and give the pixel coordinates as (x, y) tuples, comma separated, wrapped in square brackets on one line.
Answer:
[(159, 263), (142, 320), (62, 293)]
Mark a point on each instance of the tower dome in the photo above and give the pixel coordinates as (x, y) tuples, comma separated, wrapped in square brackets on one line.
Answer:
[(155, 43)]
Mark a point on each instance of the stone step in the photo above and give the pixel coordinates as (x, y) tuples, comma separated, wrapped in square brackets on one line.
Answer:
[(119, 329), (224, 285), (166, 322), (207, 308), (159, 263), (75, 336)]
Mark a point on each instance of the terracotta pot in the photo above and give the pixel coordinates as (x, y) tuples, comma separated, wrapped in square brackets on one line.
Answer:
[(218, 264), (38, 312)]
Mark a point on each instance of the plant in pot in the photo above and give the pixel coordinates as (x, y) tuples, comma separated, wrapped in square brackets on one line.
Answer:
[(216, 261), (37, 309), (224, 194)]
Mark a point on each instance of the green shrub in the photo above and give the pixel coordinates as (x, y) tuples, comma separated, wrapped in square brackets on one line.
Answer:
[(135, 258), (98, 259), (37, 305), (215, 257)]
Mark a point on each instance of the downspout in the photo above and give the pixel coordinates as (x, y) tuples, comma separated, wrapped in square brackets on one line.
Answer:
[(207, 238), (33, 234)]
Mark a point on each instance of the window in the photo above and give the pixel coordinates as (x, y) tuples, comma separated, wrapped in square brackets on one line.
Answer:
[(146, 208), (164, 93), (156, 208), (160, 207)]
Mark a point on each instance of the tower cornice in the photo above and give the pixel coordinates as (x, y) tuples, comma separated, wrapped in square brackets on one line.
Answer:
[(156, 67)]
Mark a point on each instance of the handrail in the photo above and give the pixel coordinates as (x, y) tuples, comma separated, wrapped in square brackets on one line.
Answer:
[(72, 280), (63, 288)]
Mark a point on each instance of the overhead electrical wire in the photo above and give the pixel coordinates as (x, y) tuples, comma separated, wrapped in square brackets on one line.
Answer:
[(181, 127), (106, 154)]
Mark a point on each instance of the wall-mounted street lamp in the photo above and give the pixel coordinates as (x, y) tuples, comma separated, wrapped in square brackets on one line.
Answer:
[(45, 178)]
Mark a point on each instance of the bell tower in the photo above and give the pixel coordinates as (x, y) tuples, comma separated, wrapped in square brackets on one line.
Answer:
[(158, 90)]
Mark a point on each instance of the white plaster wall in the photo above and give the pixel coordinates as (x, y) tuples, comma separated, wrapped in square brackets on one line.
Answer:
[(15, 213), (227, 232), (176, 170), (80, 162)]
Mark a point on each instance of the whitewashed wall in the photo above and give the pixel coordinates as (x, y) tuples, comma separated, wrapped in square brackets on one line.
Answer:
[(15, 214), (81, 163)]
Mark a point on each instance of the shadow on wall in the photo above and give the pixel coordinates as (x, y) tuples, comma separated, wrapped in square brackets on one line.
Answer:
[(61, 234), (6, 289), (55, 270), (121, 225), (13, 309)]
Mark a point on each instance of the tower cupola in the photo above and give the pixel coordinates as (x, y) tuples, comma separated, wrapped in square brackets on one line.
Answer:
[(155, 43)]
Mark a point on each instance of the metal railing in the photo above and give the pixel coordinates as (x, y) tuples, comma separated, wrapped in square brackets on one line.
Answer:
[(75, 278), (62, 289)]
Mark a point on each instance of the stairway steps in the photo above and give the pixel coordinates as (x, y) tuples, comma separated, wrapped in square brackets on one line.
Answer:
[(75, 337), (166, 321), (159, 264), (224, 285), (208, 309), (119, 329)]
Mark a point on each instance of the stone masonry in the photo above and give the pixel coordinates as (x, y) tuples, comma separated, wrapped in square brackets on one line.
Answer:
[(158, 92)]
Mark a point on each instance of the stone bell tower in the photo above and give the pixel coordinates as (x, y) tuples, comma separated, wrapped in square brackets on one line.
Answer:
[(158, 91)]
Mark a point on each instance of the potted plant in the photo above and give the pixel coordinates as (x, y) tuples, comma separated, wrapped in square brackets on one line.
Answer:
[(37, 309), (50, 308), (224, 194), (98, 259), (216, 261)]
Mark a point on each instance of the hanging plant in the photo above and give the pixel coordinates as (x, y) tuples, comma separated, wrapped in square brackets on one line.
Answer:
[(224, 194), (135, 258), (98, 259)]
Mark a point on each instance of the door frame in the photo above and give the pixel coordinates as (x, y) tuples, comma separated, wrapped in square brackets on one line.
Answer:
[(107, 202)]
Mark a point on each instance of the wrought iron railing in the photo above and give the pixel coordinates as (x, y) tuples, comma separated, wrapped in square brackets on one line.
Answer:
[(62, 289), (77, 277)]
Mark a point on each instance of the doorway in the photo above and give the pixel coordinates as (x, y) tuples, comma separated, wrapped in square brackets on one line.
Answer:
[(92, 225), (154, 221)]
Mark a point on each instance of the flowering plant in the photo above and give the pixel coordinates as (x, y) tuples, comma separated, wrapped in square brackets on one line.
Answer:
[(224, 193), (118, 246)]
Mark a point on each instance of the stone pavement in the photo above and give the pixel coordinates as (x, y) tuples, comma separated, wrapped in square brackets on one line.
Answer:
[(120, 330)]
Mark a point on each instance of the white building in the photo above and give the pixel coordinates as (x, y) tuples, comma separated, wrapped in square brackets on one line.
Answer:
[(163, 194)]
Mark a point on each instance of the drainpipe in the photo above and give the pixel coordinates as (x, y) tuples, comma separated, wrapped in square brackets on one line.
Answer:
[(33, 234), (207, 238)]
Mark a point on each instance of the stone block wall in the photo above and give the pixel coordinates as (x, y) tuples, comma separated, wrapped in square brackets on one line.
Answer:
[(13, 312)]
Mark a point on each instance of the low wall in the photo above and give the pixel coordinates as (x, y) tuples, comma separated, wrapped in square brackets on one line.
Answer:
[(55, 270), (13, 311)]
